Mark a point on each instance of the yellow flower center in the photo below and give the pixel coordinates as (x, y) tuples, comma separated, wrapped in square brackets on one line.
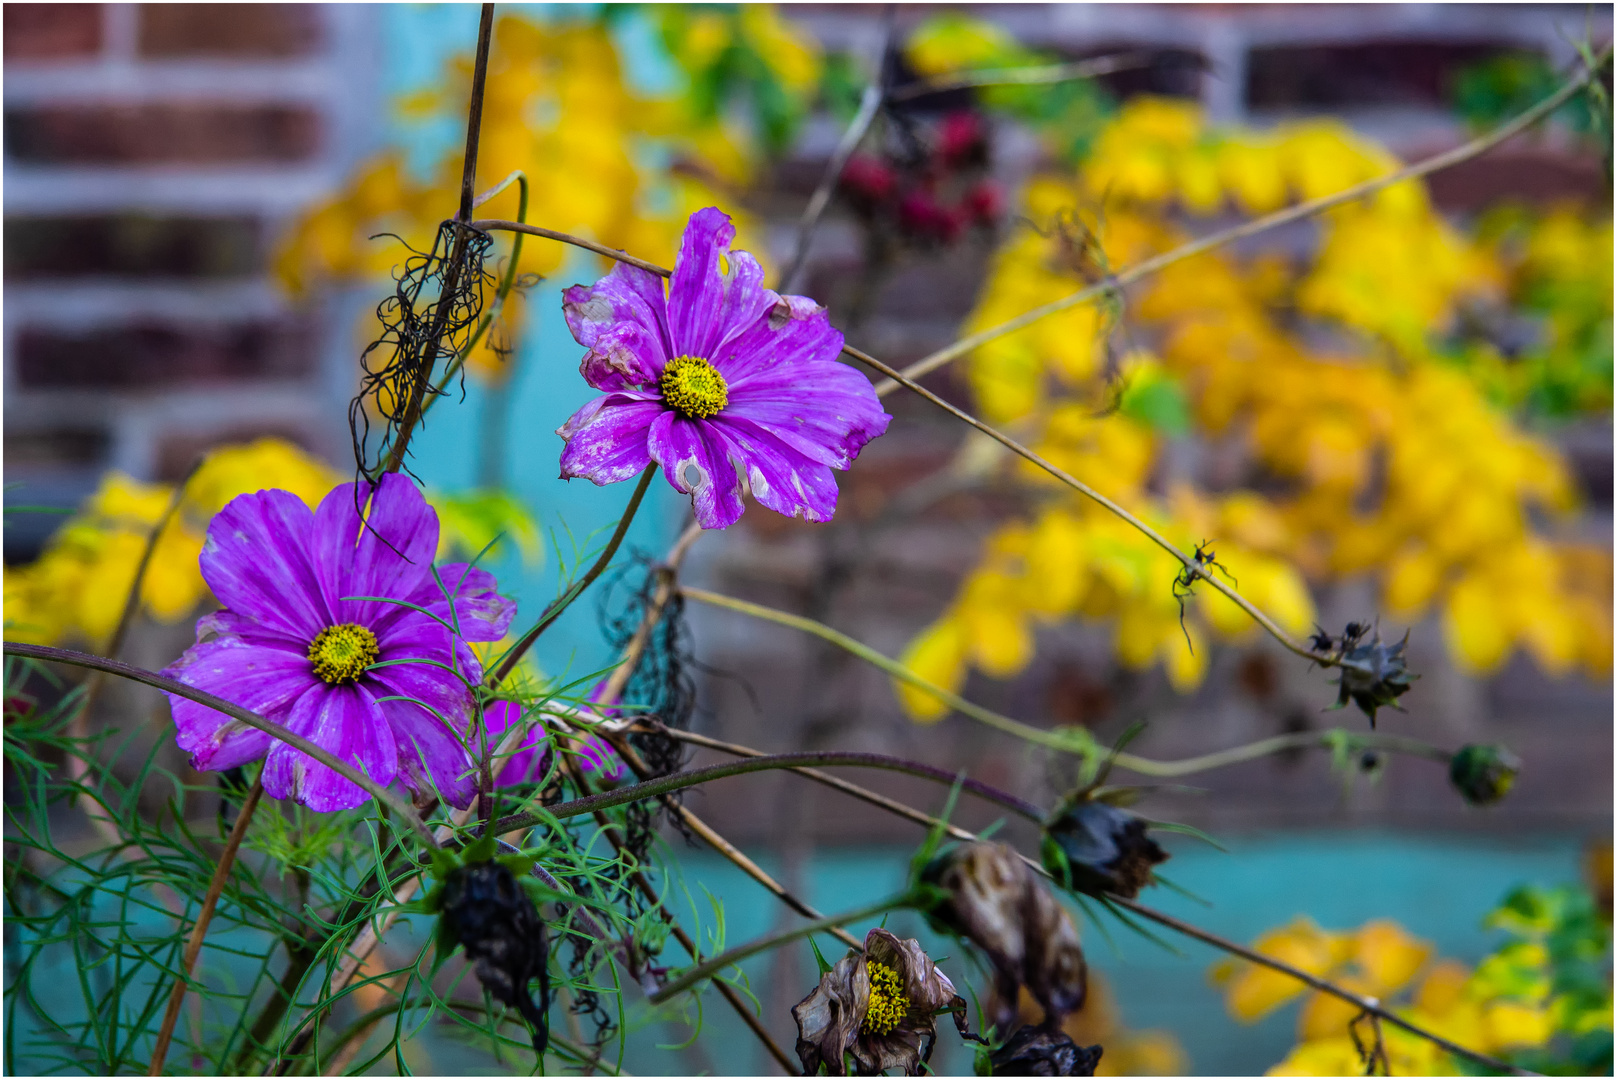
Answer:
[(341, 652), (888, 1005), (694, 387)]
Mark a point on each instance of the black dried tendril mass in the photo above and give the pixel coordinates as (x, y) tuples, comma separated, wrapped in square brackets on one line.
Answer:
[(437, 300)]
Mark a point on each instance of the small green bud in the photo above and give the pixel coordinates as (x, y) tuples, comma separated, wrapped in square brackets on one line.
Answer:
[(1483, 774)]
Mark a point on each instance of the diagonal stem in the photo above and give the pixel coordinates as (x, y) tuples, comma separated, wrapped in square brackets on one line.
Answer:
[(663, 785), (193, 946), (561, 603), (708, 968), (246, 716)]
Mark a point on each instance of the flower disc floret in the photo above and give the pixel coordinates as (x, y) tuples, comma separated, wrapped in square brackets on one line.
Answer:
[(718, 380), (693, 387), (888, 1005), (341, 652)]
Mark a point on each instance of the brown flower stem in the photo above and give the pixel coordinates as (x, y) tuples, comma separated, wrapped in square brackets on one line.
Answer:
[(1077, 742), (1475, 148), (664, 785), (643, 884), (245, 716), (501, 225), (561, 603), (1368, 1004), (869, 105), (1043, 75), (834, 782), (199, 930), (695, 824), (709, 968), (452, 268), (501, 293)]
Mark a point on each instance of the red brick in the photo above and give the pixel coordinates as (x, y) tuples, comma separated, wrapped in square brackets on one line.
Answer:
[(194, 134), (51, 31), (238, 30), (163, 355), (1526, 174), (132, 245)]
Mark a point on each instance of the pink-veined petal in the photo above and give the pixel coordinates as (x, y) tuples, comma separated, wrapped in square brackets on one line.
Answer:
[(696, 459)]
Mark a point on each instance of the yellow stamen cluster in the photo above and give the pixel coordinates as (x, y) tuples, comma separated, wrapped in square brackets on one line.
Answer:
[(888, 1005), (694, 387), (341, 652)]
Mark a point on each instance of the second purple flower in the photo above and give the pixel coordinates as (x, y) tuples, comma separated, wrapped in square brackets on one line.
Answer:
[(719, 375)]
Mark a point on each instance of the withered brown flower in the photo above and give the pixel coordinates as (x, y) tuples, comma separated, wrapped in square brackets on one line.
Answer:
[(878, 1008), (1043, 1050), (1100, 848), (992, 898)]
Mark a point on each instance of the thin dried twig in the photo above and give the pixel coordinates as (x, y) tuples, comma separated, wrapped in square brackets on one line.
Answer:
[(199, 930), (246, 716)]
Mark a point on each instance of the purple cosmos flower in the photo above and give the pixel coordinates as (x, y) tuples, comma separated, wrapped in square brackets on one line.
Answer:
[(722, 374), (293, 645), (525, 766)]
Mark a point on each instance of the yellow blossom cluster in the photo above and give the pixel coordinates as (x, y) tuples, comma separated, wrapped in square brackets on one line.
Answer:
[(1378, 455), (1504, 1004), (76, 590), (557, 108)]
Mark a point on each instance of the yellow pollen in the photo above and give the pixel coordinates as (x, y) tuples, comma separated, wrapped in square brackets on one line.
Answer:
[(888, 1005), (694, 387), (341, 652)]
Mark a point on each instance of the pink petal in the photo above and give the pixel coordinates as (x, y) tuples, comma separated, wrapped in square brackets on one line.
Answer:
[(345, 720), (258, 561), (264, 680), (606, 439), (781, 478), (707, 306), (680, 445)]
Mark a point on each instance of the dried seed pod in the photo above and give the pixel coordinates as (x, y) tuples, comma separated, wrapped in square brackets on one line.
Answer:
[(993, 899), (1095, 847), (878, 1008), (1042, 1050), (489, 915), (1483, 774), (1373, 674)]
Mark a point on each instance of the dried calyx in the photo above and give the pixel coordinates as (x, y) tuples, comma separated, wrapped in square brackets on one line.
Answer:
[(1043, 1050), (985, 893), (1374, 674), (1092, 845), (482, 908), (876, 1010)]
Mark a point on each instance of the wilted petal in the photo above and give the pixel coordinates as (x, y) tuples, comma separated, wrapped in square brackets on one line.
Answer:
[(830, 423), (626, 294), (708, 306), (1044, 1051), (344, 720), (1005, 909), (1106, 848), (624, 357), (684, 446), (780, 477), (828, 1019), (607, 439)]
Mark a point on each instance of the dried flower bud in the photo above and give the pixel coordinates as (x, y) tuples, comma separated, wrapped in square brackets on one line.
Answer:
[(878, 1007), (1043, 1051), (993, 899), (1373, 674), (1100, 848), (1483, 774), (493, 919)]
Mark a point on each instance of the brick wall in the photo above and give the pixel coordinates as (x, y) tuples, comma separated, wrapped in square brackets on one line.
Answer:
[(151, 154)]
